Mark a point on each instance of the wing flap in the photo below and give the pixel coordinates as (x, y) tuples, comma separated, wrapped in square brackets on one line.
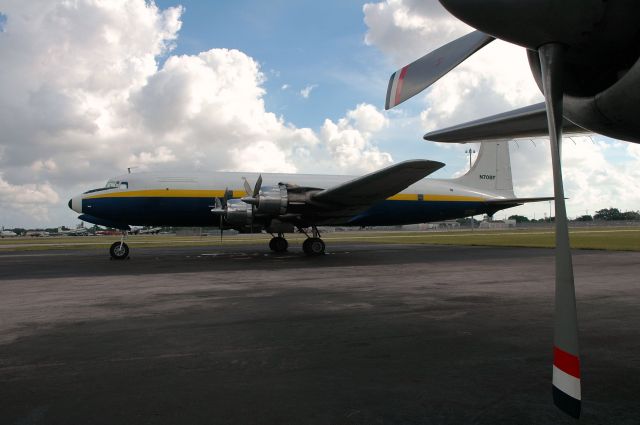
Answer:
[(530, 121), (377, 186)]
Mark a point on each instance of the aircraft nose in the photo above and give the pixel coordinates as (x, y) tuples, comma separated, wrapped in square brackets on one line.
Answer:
[(75, 204)]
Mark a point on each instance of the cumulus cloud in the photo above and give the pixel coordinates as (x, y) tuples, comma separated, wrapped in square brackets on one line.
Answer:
[(84, 95), (349, 140), (407, 29)]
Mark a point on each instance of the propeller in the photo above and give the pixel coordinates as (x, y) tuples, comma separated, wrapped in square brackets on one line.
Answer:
[(220, 208), (566, 361), (420, 74), (252, 197)]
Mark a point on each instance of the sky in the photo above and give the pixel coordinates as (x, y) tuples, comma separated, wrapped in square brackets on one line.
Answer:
[(89, 88)]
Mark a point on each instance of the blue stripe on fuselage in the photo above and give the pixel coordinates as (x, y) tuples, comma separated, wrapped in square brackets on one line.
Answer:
[(196, 211), (390, 213)]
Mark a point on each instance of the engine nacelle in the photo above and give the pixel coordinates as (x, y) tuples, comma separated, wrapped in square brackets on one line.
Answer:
[(606, 105), (238, 213), (273, 201)]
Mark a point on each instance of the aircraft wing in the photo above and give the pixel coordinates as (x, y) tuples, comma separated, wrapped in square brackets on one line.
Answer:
[(530, 121), (376, 186)]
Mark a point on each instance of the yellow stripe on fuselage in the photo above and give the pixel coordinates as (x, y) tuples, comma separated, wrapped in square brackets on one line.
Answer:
[(403, 197), (199, 193), (168, 193), (458, 198)]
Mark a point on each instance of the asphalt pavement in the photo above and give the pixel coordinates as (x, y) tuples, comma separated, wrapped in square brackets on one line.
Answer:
[(367, 334)]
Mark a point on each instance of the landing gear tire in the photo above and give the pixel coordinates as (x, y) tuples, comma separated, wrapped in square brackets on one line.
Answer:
[(313, 246), (278, 244), (119, 251)]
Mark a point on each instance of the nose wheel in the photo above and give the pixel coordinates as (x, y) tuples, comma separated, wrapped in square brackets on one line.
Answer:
[(119, 251), (278, 243)]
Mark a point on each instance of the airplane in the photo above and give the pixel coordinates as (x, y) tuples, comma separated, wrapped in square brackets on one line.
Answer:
[(146, 230), (584, 57), (80, 230), (282, 203), (7, 233)]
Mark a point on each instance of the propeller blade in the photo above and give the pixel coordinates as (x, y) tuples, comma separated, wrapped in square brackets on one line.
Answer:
[(566, 361), (256, 189), (247, 186), (221, 228), (417, 76)]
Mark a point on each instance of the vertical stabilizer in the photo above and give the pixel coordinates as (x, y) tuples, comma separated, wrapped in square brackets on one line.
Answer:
[(492, 169)]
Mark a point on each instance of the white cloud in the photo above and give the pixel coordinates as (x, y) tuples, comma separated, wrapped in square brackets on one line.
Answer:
[(31, 199), (407, 29), (306, 92), (82, 98), (349, 140)]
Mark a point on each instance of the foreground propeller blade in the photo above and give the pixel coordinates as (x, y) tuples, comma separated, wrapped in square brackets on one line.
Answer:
[(247, 186), (566, 361), (256, 189), (221, 228), (417, 76)]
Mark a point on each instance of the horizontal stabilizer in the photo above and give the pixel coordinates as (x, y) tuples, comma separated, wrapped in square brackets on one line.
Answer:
[(379, 185), (517, 201), (417, 76), (530, 121)]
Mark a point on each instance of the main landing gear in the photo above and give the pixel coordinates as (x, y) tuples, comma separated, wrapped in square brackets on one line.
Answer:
[(278, 243), (312, 246), (119, 250)]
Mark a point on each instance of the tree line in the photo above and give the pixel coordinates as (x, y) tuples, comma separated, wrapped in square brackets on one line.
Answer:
[(606, 214)]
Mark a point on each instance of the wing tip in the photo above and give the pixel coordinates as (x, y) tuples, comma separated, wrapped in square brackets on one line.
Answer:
[(387, 103), (569, 405)]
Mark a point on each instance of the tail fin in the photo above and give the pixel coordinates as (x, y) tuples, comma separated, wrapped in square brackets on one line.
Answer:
[(492, 169)]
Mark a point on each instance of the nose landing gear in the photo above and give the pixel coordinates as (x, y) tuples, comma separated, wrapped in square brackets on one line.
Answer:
[(119, 250)]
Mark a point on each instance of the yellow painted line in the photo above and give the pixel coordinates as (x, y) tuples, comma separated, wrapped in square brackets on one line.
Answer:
[(469, 233)]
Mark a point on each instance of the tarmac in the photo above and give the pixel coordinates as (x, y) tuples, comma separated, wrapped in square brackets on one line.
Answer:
[(367, 334)]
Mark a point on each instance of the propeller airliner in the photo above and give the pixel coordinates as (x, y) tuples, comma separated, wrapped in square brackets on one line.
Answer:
[(282, 203)]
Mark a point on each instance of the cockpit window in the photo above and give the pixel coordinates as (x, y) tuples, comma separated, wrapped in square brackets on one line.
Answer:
[(112, 184), (124, 185)]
